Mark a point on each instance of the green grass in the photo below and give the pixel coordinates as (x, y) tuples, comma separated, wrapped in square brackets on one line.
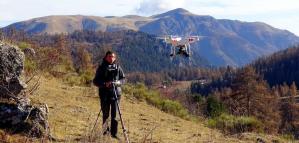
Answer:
[(235, 124), (152, 97), (288, 137)]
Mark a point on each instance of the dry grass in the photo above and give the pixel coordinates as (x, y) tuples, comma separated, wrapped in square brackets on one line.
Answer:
[(73, 111)]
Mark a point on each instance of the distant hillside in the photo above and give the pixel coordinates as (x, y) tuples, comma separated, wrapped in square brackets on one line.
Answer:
[(226, 42), (137, 51), (281, 67), (71, 23)]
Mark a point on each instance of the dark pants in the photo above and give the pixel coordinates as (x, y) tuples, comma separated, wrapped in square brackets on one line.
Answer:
[(107, 104)]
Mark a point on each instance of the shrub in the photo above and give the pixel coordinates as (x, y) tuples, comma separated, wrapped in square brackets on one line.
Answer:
[(30, 66), (214, 107), (154, 99), (235, 124), (86, 77), (76, 79), (24, 45), (174, 107), (198, 98), (141, 92), (72, 79)]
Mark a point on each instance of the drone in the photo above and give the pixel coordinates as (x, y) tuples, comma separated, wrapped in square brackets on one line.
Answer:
[(180, 43)]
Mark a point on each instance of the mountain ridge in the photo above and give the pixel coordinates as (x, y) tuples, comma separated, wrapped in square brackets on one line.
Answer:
[(226, 42)]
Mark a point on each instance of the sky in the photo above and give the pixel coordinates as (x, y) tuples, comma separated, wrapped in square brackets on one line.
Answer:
[(282, 14)]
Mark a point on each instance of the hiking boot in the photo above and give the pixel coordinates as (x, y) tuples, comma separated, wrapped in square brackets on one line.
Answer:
[(106, 132), (115, 137)]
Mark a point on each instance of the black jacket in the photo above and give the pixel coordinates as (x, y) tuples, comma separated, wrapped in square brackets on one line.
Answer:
[(108, 72)]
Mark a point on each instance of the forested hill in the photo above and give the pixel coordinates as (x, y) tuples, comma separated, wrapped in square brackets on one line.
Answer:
[(277, 70), (137, 51), (281, 67)]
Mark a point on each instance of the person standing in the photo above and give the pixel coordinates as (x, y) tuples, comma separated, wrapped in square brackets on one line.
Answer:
[(108, 73)]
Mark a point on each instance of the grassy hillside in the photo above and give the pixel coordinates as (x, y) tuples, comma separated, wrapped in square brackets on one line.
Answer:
[(73, 111), (69, 23)]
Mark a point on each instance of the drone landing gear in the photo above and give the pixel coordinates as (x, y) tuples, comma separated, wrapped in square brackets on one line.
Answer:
[(183, 50), (189, 54), (172, 51)]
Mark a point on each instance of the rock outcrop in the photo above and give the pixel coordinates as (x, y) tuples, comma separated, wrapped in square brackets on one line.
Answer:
[(11, 67), (16, 112)]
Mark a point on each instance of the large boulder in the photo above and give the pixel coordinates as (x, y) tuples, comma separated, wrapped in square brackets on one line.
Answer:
[(11, 66), (16, 113), (28, 119)]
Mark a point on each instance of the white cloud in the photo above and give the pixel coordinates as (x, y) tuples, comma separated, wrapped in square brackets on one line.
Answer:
[(26, 9), (281, 14), (288, 23), (238, 7), (150, 7)]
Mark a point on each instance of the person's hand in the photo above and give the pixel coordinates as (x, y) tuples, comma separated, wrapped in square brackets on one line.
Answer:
[(117, 83), (108, 84)]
